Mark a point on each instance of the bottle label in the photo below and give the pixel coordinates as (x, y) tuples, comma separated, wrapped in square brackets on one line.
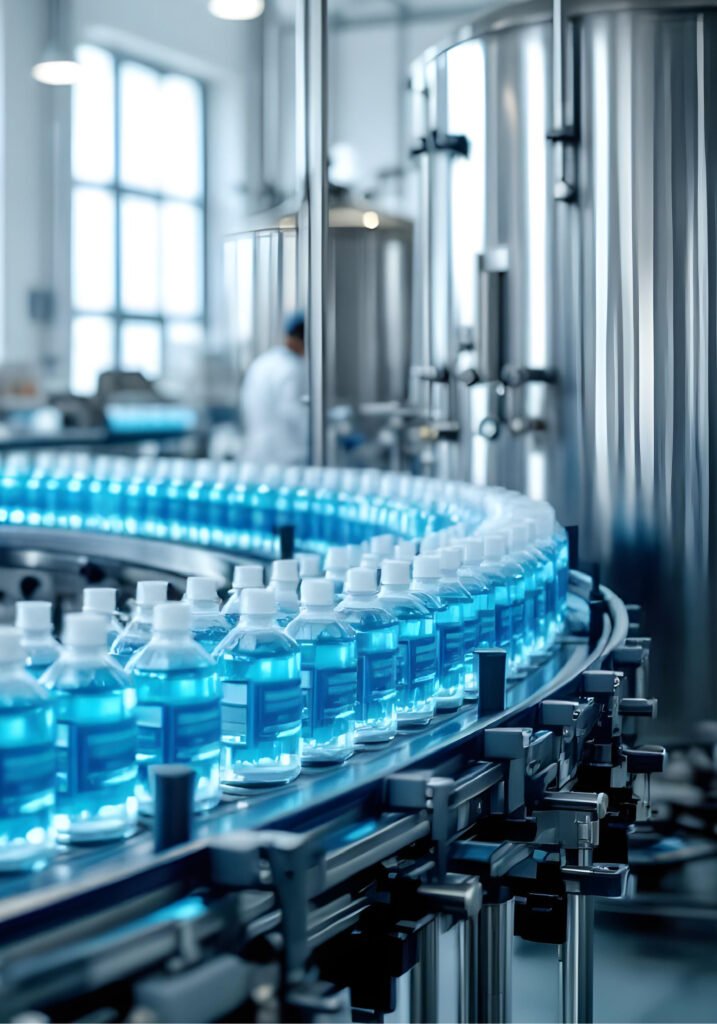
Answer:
[(25, 773), (451, 646), (376, 676), (530, 610), (518, 617), (260, 711), (418, 658), (89, 755), (471, 631), (503, 624), (486, 628), (329, 693), (176, 733)]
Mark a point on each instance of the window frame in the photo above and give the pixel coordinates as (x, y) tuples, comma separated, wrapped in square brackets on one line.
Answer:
[(118, 315)]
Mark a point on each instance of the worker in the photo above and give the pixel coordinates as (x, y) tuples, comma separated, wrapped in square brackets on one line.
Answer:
[(273, 401)]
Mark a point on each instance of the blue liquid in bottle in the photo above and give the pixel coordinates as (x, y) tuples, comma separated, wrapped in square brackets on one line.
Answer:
[(449, 630), (96, 737), (480, 585), (377, 647), (532, 569), (418, 649), (178, 714), (329, 678), (27, 762), (245, 577), (13, 489), (33, 620), (260, 674), (509, 600), (284, 584), (455, 590), (209, 626), (138, 631)]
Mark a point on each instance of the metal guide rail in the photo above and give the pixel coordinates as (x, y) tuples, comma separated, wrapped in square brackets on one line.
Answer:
[(313, 900)]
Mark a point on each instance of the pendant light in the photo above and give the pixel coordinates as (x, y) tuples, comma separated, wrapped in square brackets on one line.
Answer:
[(57, 65), (236, 10)]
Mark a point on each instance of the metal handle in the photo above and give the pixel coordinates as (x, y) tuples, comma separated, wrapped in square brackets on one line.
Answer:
[(491, 268), (564, 132)]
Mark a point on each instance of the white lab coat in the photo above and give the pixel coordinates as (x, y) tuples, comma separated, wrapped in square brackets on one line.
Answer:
[(275, 417)]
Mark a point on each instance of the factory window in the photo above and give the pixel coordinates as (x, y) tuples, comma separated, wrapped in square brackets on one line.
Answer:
[(138, 216)]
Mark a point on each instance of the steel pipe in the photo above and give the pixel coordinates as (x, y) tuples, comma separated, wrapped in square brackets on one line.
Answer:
[(495, 962)]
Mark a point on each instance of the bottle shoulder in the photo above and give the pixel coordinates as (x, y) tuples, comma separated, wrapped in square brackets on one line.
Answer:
[(374, 617), (19, 689), (158, 657), (328, 630), (404, 606), (265, 641)]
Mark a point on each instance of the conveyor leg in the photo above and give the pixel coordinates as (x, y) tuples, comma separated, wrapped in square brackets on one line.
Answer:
[(468, 971), (576, 956), (424, 976), (495, 962)]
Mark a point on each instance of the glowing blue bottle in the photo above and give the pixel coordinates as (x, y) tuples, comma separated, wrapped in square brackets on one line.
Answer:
[(545, 620), (138, 631), (178, 715), (336, 565), (519, 535), (260, 674), (284, 584), (27, 762), (329, 679), (449, 630), (102, 601), (96, 736), (480, 586), (455, 590), (377, 647), (33, 620), (208, 624), (418, 649), (245, 577), (13, 488), (509, 590), (197, 501)]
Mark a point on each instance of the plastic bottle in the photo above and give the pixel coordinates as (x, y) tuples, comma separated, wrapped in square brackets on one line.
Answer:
[(208, 624), (449, 630), (377, 647), (102, 601), (245, 576), (15, 473), (284, 584), (329, 676), (519, 536), (27, 762), (454, 590), (481, 586), (33, 620), (309, 566), (138, 630), (546, 590), (336, 565), (177, 706), (96, 736), (509, 602), (260, 675), (418, 648)]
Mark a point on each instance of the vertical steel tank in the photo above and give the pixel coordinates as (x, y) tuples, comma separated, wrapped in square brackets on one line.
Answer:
[(579, 235)]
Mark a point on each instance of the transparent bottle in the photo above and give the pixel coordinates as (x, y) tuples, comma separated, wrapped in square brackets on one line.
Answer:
[(102, 601), (138, 630), (178, 715), (336, 565), (284, 584), (244, 577), (33, 620), (545, 621), (418, 649), (27, 762), (260, 675), (209, 626), (455, 590), (377, 647), (329, 676), (449, 630), (509, 607), (519, 535), (96, 736), (480, 585)]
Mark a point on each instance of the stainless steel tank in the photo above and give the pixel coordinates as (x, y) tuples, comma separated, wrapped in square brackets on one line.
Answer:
[(368, 344), (579, 235)]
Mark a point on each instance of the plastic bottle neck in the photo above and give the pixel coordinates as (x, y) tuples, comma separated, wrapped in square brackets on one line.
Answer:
[(317, 611), (393, 588), (36, 634), (253, 621)]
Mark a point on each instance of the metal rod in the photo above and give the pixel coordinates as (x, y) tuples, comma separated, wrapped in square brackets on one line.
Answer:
[(576, 955), (495, 963), (424, 976), (468, 974), (312, 165)]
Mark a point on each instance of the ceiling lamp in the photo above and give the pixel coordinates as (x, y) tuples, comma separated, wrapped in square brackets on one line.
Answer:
[(57, 65), (236, 10)]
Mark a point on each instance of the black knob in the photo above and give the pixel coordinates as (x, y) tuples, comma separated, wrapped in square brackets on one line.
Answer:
[(173, 786)]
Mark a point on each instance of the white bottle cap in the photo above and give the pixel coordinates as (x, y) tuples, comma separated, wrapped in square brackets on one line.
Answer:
[(474, 549), (426, 567), (172, 617), (150, 592), (405, 550), (544, 520), (394, 571), (317, 593), (309, 566), (532, 530), (102, 600), (360, 581), (201, 588), (519, 536), (85, 629), (33, 616), (337, 560), (382, 545), (285, 570), (370, 561), (451, 559), (495, 546), (431, 542), (247, 576), (257, 601), (354, 553), (10, 646)]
